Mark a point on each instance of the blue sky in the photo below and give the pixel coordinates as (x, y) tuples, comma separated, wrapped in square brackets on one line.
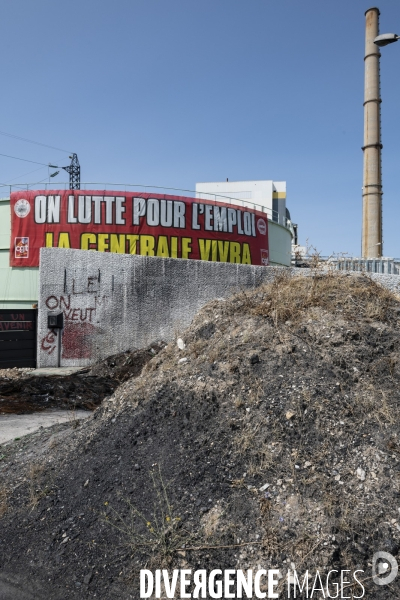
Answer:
[(171, 92)]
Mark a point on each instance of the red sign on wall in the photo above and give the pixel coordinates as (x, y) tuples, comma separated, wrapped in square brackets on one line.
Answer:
[(135, 223)]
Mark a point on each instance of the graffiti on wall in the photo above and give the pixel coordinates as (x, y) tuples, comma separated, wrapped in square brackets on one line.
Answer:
[(79, 321), (12, 321), (49, 342)]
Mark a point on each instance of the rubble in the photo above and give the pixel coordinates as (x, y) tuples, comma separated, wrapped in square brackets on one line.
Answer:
[(22, 392), (225, 461)]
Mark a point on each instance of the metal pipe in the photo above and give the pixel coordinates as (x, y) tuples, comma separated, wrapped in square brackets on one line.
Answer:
[(372, 180)]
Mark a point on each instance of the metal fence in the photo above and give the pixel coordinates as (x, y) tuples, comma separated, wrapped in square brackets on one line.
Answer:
[(388, 266)]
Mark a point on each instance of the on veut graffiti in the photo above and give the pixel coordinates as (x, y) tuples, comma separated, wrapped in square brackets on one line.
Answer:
[(70, 313)]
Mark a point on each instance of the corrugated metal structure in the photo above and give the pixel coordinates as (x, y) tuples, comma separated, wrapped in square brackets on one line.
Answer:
[(17, 338)]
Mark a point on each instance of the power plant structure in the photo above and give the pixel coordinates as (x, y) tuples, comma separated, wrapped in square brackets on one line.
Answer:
[(372, 179)]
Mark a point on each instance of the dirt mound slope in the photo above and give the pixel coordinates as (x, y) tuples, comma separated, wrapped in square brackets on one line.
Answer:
[(125, 365), (22, 392), (266, 436)]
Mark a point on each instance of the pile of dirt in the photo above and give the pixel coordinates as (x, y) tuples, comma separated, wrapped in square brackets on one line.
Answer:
[(21, 392), (125, 365), (266, 436)]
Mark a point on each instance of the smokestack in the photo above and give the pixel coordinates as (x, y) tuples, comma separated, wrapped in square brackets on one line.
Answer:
[(372, 182)]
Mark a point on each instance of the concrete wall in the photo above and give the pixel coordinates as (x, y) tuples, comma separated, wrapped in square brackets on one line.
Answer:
[(19, 286), (116, 302)]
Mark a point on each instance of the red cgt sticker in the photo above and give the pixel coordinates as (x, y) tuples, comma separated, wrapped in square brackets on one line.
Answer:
[(21, 247), (264, 258)]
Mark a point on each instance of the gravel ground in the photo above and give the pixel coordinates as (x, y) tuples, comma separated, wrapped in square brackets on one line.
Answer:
[(14, 373)]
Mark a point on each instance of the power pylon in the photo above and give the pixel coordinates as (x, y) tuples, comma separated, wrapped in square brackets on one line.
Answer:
[(74, 171)]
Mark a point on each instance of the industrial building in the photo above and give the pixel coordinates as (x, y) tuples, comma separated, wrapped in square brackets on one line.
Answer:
[(242, 223), (269, 197), (19, 285)]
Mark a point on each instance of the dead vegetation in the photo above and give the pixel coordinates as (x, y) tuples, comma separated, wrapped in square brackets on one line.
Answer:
[(158, 532), (37, 488), (3, 500), (290, 298)]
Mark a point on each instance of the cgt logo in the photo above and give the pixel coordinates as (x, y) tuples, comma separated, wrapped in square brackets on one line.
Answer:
[(22, 208), (21, 247), (264, 258), (262, 226), (384, 568)]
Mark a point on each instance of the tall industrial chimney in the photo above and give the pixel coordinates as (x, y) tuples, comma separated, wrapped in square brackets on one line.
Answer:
[(372, 182)]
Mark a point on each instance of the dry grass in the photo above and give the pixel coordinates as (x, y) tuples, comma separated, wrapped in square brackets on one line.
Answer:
[(239, 403), (261, 460), (257, 391), (53, 443), (250, 442), (3, 501), (289, 298), (197, 348), (211, 521), (72, 418), (158, 534), (246, 439), (36, 491), (371, 404)]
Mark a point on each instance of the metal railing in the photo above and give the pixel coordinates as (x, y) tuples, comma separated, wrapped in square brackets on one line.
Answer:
[(389, 266), (386, 265), (274, 216)]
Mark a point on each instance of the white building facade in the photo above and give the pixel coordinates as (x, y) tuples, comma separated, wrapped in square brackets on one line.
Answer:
[(265, 195)]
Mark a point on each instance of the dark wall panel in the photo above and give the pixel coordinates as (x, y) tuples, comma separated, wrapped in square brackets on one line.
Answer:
[(17, 338)]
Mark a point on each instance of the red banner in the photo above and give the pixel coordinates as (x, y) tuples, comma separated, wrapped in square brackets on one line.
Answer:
[(135, 223)]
